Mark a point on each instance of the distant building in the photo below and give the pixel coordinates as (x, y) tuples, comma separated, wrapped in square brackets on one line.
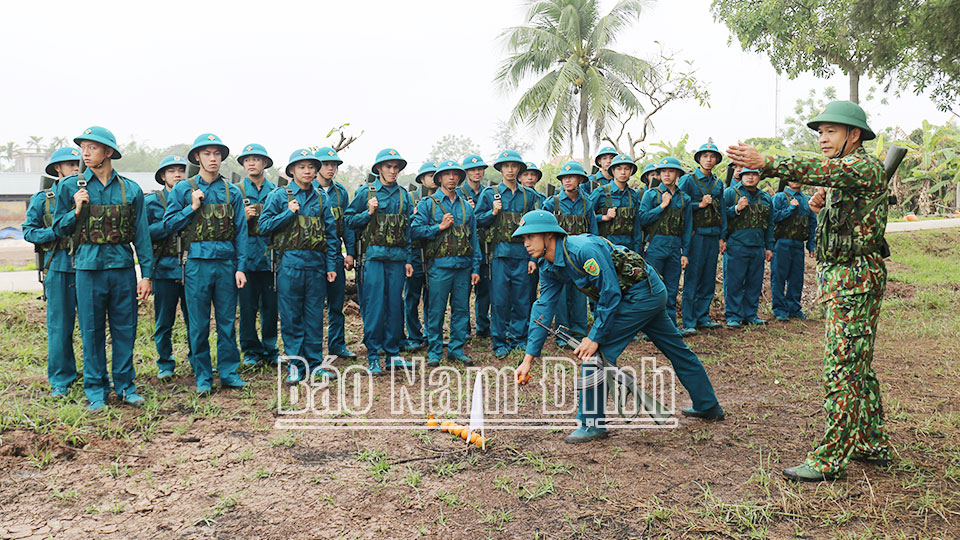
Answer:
[(30, 162), (16, 188)]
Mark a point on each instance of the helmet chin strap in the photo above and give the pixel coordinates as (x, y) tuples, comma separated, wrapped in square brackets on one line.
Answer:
[(844, 147)]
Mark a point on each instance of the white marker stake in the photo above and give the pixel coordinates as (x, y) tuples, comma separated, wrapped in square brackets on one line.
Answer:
[(476, 410)]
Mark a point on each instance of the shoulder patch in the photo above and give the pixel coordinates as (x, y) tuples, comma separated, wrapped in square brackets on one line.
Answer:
[(591, 267), (852, 158)]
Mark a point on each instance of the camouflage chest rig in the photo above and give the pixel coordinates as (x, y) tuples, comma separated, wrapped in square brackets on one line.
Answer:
[(670, 222), (453, 242), (337, 209), (105, 223), (630, 266), (215, 222), (302, 232), (166, 246), (754, 216), (795, 227), (505, 223), (572, 223), (49, 200), (710, 215), (622, 223), (389, 230), (838, 242)]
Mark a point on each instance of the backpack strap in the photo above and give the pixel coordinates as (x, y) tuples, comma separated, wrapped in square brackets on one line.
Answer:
[(163, 198), (606, 191), (556, 205)]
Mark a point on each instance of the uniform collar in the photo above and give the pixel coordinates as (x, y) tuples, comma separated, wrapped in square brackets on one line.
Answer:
[(295, 187), (580, 195), (789, 191), (559, 257), (389, 189), (503, 188), (200, 179), (267, 185), (89, 176)]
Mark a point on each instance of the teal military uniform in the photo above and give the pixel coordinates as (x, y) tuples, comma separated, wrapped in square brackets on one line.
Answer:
[(59, 281), (106, 280), (338, 199), (586, 261), (597, 179), (413, 286), (709, 226), (575, 217), (510, 291), (667, 233), (258, 296), (541, 200), (385, 238), (481, 301), (625, 228), (749, 234), (451, 256), (793, 226), (307, 244), (167, 288), (217, 251)]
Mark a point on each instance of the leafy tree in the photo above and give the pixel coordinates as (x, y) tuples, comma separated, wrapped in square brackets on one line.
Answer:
[(452, 147), (582, 83), (505, 137), (36, 142), (860, 37), (935, 64)]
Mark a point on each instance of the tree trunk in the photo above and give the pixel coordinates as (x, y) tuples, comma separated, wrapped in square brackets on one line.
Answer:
[(584, 130), (855, 86)]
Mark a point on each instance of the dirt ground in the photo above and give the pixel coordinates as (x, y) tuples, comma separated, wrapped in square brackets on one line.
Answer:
[(188, 467)]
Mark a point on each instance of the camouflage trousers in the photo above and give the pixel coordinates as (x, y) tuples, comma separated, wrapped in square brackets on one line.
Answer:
[(854, 425)]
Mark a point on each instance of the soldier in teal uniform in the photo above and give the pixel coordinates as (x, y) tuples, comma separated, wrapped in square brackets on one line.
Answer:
[(749, 246), (530, 177), (104, 212), (649, 178), (414, 285), (303, 234), (471, 190), (628, 301), (258, 296), (499, 210), (616, 206), (167, 288), (445, 222), (603, 175), (380, 214), (852, 276), (575, 215), (667, 219), (794, 225), (210, 212), (338, 199), (709, 229), (59, 283)]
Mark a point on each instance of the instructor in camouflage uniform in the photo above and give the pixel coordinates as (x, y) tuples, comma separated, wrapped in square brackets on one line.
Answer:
[(852, 275)]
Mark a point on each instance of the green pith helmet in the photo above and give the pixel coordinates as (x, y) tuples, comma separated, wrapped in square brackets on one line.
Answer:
[(605, 151), (62, 155), (301, 154), (428, 167), (167, 162), (101, 135), (207, 139), (387, 154), (623, 159), (473, 161), (707, 147), (847, 113), (508, 156), (327, 155), (532, 167), (449, 165), (538, 221), (254, 149), (572, 167), (670, 163)]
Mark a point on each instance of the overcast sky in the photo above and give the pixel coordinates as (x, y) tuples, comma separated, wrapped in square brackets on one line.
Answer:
[(283, 72)]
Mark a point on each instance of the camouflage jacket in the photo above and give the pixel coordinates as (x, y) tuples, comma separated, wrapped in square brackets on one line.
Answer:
[(854, 181)]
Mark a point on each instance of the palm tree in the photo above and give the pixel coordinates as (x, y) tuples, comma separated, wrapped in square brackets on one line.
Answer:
[(36, 142), (582, 83)]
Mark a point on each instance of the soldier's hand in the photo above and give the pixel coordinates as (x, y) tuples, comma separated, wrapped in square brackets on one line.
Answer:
[(723, 246), (372, 205), (706, 201), (587, 349), (251, 211), (611, 213), (241, 279), (446, 222), (684, 261), (819, 200), (196, 199), (667, 197), (794, 202), (80, 197), (409, 270), (348, 262), (294, 206), (331, 276), (474, 279), (523, 370), (531, 267), (767, 255), (472, 204), (497, 207), (746, 156), (143, 289), (742, 203)]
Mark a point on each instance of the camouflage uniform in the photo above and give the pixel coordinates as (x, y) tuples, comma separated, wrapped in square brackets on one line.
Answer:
[(852, 277)]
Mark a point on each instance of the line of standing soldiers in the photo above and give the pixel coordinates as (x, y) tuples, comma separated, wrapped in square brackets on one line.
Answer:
[(284, 250)]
